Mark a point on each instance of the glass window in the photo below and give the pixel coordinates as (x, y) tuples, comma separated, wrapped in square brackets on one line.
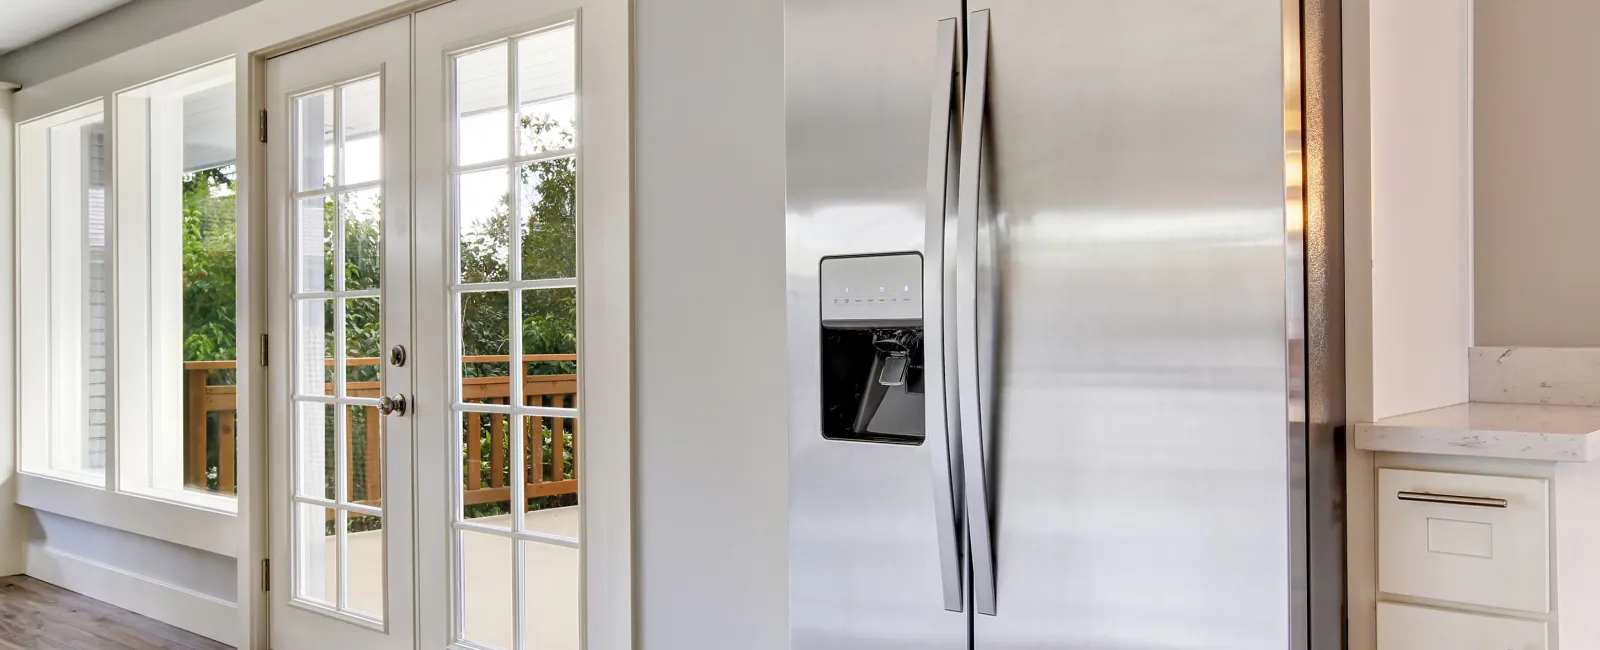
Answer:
[(65, 288), (514, 186), (337, 441), (176, 216)]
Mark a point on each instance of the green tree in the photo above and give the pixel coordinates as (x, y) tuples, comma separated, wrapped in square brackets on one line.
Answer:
[(546, 224), (547, 227), (362, 265), (547, 193), (209, 268), (209, 265)]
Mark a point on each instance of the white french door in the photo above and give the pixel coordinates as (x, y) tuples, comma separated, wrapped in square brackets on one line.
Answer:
[(500, 514), (494, 512), (342, 479)]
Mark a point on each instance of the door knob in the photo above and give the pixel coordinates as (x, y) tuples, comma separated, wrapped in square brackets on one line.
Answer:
[(392, 404)]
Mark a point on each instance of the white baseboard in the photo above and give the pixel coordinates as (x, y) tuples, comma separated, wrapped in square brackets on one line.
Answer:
[(181, 608)]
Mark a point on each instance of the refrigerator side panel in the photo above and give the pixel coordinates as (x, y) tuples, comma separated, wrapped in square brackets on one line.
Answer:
[(869, 565), (1141, 451)]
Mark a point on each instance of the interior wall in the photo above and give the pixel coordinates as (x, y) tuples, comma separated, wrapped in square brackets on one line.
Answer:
[(1420, 182), (1407, 70), (709, 300), (13, 524), (187, 588), (1361, 540), (113, 32), (190, 569), (1535, 134)]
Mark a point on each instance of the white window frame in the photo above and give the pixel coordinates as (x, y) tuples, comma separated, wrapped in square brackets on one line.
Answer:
[(51, 414), (150, 434), (77, 495)]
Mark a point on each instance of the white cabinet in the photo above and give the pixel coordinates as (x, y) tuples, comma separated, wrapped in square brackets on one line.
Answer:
[(1467, 538), (1408, 627), (1483, 553)]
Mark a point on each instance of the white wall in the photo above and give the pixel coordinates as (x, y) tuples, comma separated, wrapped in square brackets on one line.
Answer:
[(709, 325), (118, 30), (1420, 252), (1408, 227), (204, 573), (188, 588), (13, 526), (1536, 133)]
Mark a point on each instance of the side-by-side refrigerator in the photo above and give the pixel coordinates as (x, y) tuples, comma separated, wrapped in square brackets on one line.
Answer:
[(1046, 332)]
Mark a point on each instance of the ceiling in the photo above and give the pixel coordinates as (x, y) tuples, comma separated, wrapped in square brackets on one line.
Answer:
[(26, 21)]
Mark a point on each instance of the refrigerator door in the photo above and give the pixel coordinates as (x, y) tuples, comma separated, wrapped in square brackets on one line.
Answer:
[(1132, 179), (874, 539)]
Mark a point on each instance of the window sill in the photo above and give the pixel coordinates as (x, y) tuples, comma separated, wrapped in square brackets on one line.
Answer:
[(187, 525), (85, 479), (187, 499)]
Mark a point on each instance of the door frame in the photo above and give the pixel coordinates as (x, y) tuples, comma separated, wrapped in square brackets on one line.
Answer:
[(605, 261)]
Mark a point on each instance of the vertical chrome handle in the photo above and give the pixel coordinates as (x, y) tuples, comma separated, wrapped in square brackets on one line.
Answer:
[(937, 347), (975, 418)]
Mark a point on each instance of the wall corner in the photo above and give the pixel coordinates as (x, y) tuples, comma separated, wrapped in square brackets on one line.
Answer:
[(13, 519)]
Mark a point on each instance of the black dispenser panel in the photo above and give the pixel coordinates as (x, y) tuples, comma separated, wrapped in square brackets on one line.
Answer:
[(872, 359)]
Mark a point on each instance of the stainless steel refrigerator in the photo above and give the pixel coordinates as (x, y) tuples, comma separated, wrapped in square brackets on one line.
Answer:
[(1047, 284)]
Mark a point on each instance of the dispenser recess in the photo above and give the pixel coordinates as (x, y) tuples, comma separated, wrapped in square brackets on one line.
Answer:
[(871, 327)]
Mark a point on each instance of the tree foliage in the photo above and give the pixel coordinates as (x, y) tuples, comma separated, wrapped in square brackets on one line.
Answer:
[(546, 224), (209, 268), (209, 265), (547, 207), (546, 220)]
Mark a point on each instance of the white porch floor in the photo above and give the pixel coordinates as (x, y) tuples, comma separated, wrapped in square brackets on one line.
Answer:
[(550, 575)]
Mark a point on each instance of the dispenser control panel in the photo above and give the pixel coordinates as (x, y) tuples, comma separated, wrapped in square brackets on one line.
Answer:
[(872, 288)]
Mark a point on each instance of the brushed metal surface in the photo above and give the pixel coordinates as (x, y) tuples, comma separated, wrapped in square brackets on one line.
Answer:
[(1141, 454), (946, 468), (864, 546), (1453, 499), (974, 318), (1294, 286), (1323, 130)]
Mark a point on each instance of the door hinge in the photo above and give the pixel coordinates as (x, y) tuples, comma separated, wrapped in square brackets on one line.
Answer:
[(266, 574), (263, 350), (261, 125)]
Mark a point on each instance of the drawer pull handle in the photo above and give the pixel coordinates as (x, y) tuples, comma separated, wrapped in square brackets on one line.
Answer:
[(1454, 500)]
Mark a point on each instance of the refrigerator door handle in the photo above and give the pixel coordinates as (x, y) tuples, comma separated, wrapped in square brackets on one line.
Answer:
[(939, 271), (975, 427)]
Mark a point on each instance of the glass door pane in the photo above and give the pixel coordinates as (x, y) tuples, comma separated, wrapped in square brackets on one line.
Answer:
[(338, 437), (512, 179)]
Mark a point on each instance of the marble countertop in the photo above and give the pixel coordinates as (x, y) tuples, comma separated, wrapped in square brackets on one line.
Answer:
[(1523, 431)]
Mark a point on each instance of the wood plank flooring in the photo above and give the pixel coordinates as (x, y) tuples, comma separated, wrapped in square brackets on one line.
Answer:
[(36, 615)]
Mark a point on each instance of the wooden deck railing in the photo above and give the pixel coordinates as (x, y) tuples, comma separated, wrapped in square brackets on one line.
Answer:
[(549, 464)]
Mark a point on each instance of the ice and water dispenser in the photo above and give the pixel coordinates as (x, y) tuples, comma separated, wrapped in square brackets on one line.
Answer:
[(872, 359)]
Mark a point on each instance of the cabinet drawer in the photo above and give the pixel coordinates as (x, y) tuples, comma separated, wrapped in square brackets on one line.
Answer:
[(1404, 627), (1466, 538)]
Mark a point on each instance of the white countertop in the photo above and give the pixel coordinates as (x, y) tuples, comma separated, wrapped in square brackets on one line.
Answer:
[(1523, 431)]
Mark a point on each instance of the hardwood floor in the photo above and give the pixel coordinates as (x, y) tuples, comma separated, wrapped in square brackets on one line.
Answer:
[(36, 615)]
